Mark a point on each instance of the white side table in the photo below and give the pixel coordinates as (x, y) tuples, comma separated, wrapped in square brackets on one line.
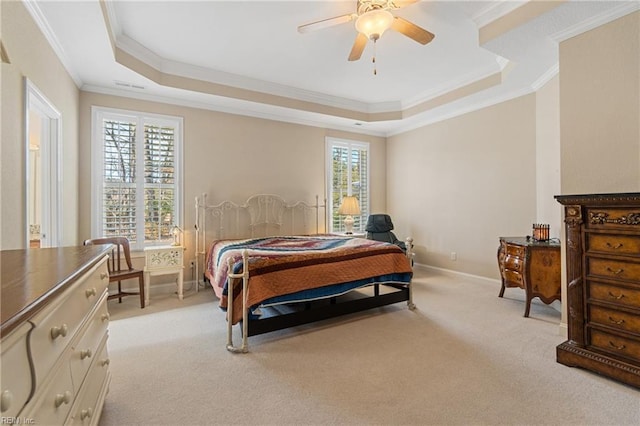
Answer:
[(162, 260)]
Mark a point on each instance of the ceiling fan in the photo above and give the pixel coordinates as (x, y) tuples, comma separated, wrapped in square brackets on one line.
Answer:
[(373, 17)]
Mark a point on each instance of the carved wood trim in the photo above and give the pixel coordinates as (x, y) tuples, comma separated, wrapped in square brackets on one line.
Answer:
[(575, 308), (600, 199), (600, 218), (604, 361)]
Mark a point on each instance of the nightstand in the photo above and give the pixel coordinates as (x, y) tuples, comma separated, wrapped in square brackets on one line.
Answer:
[(533, 266), (163, 260)]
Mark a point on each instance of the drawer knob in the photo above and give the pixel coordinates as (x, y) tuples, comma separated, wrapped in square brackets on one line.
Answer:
[(615, 321), (105, 362), (6, 400), (86, 414), (62, 398), (59, 331), (615, 272), (90, 292), (612, 246), (104, 275), (85, 354), (105, 317), (613, 345), (613, 296)]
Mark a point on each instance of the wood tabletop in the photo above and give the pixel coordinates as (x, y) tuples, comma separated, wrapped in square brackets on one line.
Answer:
[(30, 278)]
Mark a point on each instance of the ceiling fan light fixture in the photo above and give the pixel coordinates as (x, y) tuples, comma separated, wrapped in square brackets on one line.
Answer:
[(373, 23)]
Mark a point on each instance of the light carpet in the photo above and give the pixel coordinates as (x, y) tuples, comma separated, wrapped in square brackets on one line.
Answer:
[(463, 357)]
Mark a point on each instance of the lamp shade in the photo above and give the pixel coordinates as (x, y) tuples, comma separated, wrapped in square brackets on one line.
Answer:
[(176, 232), (349, 206), (374, 23)]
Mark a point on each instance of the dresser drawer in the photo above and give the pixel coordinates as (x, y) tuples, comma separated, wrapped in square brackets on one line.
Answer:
[(88, 408), (515, 250), (614, 218), (16, 373), (616, 319), (55, 327), (622, 296), (514, 263), (628, 245), (619, 346), (608, 268), (52, 404), (85, 350), (514, 278)]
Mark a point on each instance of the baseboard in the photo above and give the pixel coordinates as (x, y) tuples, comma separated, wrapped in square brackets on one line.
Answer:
[(453, 273), (563, 330)]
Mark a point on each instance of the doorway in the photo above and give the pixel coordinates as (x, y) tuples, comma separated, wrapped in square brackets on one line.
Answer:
[(42, 147)]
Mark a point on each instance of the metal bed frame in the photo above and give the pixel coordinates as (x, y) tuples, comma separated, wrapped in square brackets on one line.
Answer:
[(267, 213)]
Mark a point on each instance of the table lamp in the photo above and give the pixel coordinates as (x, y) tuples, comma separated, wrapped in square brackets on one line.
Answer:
[(176, 232), (349, 207)]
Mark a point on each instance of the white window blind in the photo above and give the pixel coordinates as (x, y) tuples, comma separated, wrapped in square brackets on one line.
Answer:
[(137, 176), (348, 172)]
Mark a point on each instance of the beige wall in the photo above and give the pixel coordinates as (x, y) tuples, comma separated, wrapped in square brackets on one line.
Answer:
[(548, 156), (600, 108), (458, 185), (32, 57), (231, 157), (600, 112)]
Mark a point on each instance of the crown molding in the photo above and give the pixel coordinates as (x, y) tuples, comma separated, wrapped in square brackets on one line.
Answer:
[(453, 85), (38, 17), (304, 118), (148, 57), (243, 108), (472, 106), (596, 21), (114, 25), (135, 49), (544, 78), (495, 11)]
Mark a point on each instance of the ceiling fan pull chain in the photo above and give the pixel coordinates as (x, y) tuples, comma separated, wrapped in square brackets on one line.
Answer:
[(375, 71)]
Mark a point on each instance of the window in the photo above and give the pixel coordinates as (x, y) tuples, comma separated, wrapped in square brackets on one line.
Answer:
[(136, 176), (348, 173)]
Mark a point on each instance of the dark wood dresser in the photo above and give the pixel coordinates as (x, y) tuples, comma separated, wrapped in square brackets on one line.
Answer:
[(603, 284), (531, 265)]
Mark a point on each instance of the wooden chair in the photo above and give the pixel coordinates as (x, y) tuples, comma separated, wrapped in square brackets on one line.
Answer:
[(117, 270)]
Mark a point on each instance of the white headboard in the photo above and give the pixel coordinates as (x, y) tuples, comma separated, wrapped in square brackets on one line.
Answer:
[(261, 215)]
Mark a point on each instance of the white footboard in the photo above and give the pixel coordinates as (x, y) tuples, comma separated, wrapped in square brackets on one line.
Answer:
[(245, 309)]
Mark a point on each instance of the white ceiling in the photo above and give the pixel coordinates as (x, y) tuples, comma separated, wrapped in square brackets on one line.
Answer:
[(255, 45)]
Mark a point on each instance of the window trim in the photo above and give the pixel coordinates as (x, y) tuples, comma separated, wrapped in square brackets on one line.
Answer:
[(97, 163), (330, 142)]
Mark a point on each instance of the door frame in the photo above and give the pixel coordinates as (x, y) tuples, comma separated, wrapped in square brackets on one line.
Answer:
[(50, 160)]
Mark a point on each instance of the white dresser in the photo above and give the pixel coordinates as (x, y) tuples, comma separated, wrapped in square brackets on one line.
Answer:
[(55, 365)]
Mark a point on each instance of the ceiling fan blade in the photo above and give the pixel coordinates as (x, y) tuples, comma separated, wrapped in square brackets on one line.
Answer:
[(358, 47), (412, 31), (325, 23)]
